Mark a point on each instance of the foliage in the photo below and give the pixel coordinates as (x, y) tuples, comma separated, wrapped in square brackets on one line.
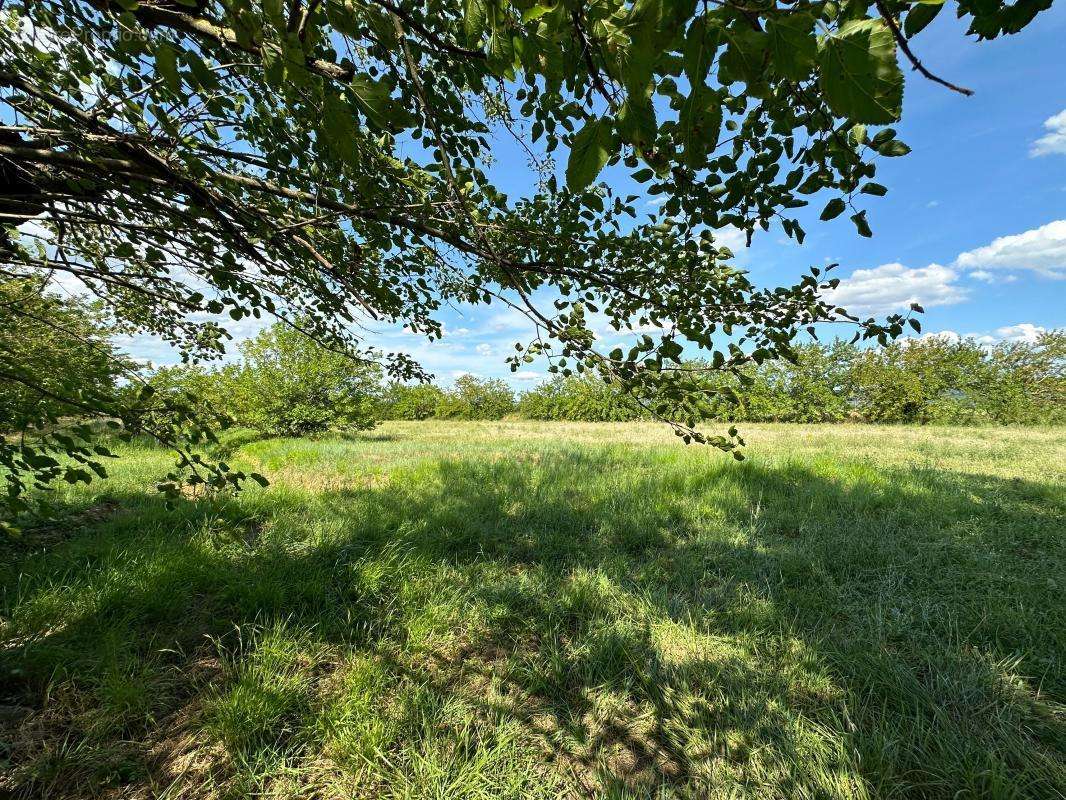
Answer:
[(579, 398), (476, 398), (220, 158), (287, 384), (929, 380), (939, 380), (57, 356), (410, 401), (60, 392)]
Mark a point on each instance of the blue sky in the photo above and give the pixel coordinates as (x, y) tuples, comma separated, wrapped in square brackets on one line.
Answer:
[(973, 227)]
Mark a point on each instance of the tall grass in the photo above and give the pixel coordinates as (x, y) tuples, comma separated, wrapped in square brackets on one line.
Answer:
[(552, 610)]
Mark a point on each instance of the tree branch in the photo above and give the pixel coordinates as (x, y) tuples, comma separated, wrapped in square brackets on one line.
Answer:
[(901, 40)]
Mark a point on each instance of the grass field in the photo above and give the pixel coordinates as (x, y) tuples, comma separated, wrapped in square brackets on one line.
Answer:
[(523, 610)]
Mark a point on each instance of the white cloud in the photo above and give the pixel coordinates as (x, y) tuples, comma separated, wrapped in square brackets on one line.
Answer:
[(1022, 332), (893, 287), (992, 277), (484, 349), (1054, 141), (733, 238), (1042, 250)]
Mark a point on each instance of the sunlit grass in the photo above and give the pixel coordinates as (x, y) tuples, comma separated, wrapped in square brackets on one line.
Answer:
[(486, 610)]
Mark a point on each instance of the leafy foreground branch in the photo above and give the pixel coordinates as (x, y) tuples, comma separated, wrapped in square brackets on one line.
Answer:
[(326, 163)]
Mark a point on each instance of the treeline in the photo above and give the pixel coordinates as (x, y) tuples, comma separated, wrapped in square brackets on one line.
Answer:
[(924, 381), (286, 384)]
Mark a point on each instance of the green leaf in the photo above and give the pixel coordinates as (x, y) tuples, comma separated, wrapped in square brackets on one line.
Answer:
[(861, 225), (342, 16), (644, 28), (501, 53), (745, 56), (338, 124), (589, 152), (919, 16), (475, 19), (701, 43), (636, 120), (833, 209), (373, 97), (893, 148), (166, 64), (859, 74), (793, 46), (700, 122), (536, 12), (273, 67), (875, 189)]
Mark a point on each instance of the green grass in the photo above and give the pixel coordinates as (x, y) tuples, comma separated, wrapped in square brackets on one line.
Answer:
[(522, 610)]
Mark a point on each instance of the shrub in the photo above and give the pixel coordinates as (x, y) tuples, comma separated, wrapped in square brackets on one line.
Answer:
[(411, 402), (581, 398), (926, 381), (287, 385), (476, 398), (56, 356)]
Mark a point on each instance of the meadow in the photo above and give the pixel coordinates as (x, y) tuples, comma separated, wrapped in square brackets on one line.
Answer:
[(539, 610)]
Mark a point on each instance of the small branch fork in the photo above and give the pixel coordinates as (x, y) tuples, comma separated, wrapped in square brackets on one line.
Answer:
[(905, 47)]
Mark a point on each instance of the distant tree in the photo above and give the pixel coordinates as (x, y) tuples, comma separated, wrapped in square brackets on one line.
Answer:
[(288, 384), (477, 398), (1025, 382), (57, 356), (411, 401), (329, 162), (580, 398), (918, 380)]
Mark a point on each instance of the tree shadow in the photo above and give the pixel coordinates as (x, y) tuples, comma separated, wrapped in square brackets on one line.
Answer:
[(651, 626)]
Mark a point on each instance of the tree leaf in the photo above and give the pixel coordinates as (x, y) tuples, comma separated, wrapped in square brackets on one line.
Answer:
[(373, 97), (893, 148), (700, 122), (859, 74), (745, 56), (701, 43), (166, 62), (861, 225), (833, 209), (919, 16), (636, 119), (338, 124), (793, 46), (475, 19), (589, 152)]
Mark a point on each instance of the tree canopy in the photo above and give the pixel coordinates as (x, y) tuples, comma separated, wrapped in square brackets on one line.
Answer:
[(329, 162)]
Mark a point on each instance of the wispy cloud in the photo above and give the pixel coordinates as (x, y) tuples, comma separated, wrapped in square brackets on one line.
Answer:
[(1054, 141)]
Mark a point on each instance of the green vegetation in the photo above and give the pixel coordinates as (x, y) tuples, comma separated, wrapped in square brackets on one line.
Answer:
[(328, 163), (476, 610), (931, 380), (286, 384)]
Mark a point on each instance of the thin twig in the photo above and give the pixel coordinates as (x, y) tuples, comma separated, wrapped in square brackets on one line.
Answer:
[(901, 40)]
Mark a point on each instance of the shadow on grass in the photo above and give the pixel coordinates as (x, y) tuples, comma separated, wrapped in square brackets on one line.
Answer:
[(649, 626)]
